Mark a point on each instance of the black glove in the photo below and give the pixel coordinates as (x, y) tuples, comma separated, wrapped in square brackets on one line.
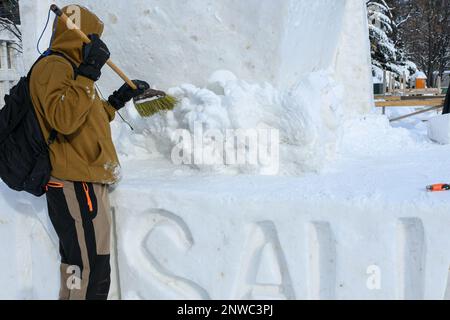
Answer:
[(126, 93), (95, 55)]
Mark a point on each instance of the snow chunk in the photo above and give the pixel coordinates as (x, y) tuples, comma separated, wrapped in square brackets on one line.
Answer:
[(218, 81), (306, 119)]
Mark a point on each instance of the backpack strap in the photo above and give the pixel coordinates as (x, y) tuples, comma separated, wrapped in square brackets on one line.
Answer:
[(34, 64), (74, 66), (53, 133)]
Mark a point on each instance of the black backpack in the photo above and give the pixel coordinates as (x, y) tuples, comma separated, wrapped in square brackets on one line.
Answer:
[(24, 155)]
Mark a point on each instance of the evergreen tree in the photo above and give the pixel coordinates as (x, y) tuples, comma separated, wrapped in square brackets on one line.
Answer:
[(386, 43)]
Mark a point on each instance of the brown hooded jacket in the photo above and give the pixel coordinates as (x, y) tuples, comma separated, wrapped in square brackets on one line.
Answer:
[(83, 150)]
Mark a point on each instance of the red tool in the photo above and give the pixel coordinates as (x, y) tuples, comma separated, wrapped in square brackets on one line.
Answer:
[(438, 187)]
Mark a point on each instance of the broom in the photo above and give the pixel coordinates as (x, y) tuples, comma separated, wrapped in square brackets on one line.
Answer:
[(151, 101)]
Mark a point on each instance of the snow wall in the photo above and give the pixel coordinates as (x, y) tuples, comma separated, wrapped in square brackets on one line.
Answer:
[(187, 241), (238, 238), (299, 67), (171, 42)]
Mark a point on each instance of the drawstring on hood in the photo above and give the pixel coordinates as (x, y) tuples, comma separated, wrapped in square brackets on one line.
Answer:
[(42, 34)]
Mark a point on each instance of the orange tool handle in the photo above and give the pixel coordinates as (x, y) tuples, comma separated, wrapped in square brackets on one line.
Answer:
[(439, 187), (73, 26)]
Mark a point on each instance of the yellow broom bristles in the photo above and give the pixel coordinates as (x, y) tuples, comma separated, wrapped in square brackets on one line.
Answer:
[(152, 107)]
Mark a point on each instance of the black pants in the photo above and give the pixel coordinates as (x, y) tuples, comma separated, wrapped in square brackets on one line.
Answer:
[(447, 102), (80, 213)]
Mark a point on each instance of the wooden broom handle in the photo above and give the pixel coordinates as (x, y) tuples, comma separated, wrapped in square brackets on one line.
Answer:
[(85, 38)]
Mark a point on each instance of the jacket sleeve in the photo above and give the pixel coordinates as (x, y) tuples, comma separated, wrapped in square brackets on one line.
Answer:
[(66, 102), (110, 110)]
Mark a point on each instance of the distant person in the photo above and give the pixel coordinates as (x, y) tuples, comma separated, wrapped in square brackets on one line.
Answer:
[(447, 102), (83, 156)]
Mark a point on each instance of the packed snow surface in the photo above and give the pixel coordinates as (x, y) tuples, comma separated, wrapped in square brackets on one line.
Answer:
[(306, 120)]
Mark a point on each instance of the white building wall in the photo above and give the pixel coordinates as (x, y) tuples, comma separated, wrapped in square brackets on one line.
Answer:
[(11, 64)]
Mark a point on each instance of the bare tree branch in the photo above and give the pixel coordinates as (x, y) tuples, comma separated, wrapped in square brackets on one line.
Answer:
[(10, 22)]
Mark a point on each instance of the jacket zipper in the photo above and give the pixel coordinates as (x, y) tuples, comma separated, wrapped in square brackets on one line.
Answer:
[(88, 197)]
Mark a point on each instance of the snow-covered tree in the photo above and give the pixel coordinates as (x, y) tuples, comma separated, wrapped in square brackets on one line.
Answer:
[(386, 47), (380, 29), (401, 13)]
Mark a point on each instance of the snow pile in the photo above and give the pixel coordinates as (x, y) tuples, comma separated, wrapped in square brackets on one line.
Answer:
[(419, 75), (301, 125), (439, 129), (308, 121), (370, 135)]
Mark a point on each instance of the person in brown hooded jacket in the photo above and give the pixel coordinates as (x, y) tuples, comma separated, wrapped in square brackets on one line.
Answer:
[(83, 157)]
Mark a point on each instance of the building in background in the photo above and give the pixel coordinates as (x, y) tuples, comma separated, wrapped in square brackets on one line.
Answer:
[(11, 58)]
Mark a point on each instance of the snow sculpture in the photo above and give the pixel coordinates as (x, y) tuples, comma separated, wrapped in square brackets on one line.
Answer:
[(295, 59)]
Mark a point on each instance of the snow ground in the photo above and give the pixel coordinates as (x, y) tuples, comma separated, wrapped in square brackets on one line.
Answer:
[(349, 179), (369, 207), (369, 161)]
